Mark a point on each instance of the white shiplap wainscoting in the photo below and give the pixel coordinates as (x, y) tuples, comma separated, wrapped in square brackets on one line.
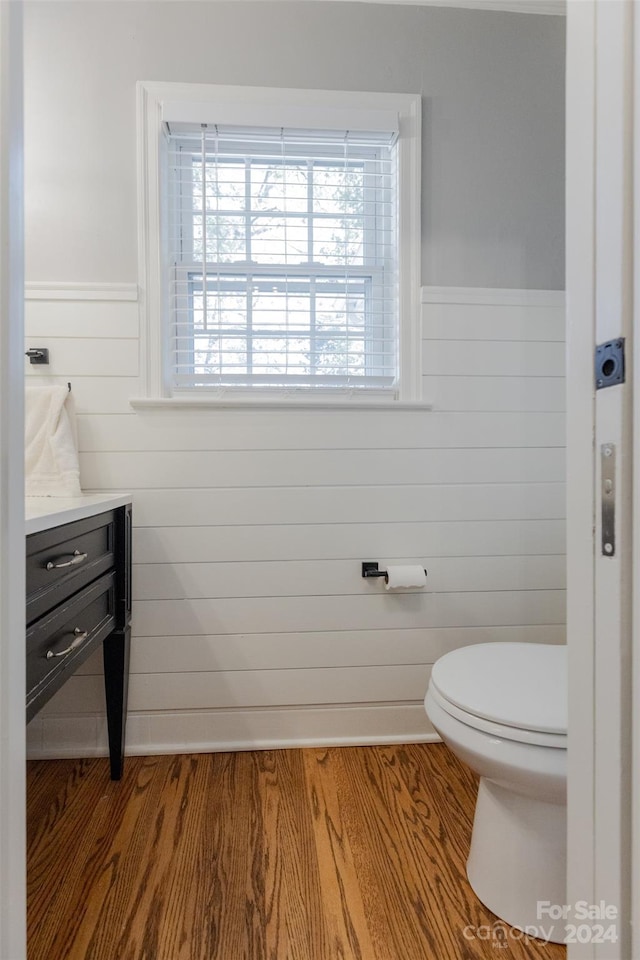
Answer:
[(252, 625)]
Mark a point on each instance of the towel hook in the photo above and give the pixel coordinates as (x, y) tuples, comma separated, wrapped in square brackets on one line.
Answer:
[(37, 354)]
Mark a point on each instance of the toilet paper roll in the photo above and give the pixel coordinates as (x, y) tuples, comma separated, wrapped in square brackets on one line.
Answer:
[(407, 576)]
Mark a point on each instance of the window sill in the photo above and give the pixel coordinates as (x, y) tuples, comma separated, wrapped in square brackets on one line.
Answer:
[(190, 403)]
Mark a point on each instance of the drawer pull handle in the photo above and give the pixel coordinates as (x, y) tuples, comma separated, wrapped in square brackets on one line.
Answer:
[(76, 557), (79, 636)]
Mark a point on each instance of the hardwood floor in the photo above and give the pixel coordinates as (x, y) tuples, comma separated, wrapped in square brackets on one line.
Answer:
[(351, 853)]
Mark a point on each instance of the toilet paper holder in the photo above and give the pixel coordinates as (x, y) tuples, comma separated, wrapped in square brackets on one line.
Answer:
[(370, 570)]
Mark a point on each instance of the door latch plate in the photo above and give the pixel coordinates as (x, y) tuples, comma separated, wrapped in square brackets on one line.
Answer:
[(608, 498), (609, 368)]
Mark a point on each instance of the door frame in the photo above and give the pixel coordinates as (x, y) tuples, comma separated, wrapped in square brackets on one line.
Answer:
[(12, 538), (635, 664), (599, 174), (580, 334)]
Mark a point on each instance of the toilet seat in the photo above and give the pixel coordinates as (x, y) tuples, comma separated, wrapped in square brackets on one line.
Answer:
[(522, 694), (504, 732)]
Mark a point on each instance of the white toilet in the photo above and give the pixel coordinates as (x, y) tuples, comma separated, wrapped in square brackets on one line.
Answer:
[(502, 708)]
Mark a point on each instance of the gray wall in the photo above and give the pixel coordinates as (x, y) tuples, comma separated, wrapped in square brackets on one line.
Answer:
[(493, 88)]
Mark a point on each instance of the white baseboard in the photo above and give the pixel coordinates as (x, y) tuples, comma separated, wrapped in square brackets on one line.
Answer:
[(56, 738)]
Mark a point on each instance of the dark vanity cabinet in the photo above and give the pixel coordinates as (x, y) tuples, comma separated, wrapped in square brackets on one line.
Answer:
[(78, 598)]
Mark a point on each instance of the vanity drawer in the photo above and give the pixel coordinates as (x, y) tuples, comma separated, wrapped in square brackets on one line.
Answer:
[(59, 641), (62, 560)]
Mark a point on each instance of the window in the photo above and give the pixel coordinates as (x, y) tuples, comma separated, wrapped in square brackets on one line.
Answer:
[(283, 259), (272, 250)]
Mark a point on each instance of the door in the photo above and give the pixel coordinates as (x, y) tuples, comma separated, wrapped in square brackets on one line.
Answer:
[(600, 253)]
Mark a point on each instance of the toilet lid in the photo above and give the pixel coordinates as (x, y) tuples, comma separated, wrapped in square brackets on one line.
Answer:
[(520, 685)]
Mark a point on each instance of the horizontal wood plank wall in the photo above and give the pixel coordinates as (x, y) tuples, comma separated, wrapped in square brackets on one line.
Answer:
[(252, 624)]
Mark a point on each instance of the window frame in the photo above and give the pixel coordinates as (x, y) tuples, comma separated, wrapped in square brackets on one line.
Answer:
[(261, 107)]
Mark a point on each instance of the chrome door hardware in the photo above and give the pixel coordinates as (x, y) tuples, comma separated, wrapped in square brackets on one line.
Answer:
[(610, 363), (608, 484)]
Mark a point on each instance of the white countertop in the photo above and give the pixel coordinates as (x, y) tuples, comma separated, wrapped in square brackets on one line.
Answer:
[(43, 513)]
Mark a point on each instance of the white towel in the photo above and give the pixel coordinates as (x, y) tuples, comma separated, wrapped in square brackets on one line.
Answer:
[(51, 450)]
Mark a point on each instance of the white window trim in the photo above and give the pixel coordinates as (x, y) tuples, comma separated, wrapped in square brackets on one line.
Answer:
[(156, 101)]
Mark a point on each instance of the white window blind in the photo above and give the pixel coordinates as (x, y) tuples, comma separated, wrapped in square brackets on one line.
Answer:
[(281, 267)]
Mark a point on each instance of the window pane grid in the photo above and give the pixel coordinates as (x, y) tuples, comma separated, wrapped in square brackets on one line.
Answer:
[(284, 267)]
